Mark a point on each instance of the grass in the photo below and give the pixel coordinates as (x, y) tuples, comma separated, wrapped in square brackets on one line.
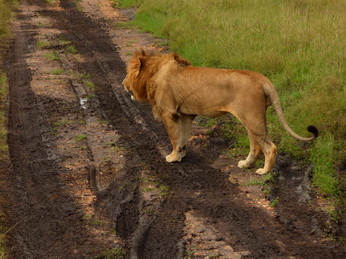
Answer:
[(92, 220), (90, 85), (254, 182), (72, 49), (124, 4), (53, 56), (56, 72), (275, 202), (322, 156), (81, 138), (153, 185), (298, 44), (6, 15), (113, 253), (43, 44), (50, 1)]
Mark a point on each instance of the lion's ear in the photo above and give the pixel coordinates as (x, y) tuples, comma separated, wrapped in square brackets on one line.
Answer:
[(141, 52), (141, 63), (138, 64)]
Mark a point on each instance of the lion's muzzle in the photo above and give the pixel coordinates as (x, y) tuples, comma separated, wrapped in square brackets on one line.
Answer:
[(131, 93), (127, 90)]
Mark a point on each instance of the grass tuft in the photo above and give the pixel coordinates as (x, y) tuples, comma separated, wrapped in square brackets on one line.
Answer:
[(53, 56), (81, 138), (113, 253)]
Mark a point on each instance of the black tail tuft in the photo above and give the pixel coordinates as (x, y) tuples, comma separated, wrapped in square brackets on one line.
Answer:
[(313, 130)]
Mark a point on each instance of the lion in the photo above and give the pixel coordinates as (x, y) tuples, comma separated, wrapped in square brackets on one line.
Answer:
[(178, 92)]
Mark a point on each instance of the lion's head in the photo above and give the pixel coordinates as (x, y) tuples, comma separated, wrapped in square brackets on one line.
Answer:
[(142, 67)]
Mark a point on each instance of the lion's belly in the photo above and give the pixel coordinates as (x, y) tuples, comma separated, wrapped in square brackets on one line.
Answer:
[(204, 111), (212, 113)]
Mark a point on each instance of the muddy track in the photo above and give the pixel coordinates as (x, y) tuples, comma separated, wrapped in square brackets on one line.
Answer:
[(112, 188)]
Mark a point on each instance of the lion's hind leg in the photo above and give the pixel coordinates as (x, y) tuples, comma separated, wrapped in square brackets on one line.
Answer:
[(258, 144), (259, 141), (269, 149), (255, 151)]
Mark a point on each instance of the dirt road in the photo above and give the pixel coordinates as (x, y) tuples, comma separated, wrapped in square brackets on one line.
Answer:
[(88, 176)]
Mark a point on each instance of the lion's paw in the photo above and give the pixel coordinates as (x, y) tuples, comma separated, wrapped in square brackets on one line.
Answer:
[(261, 171), (173, 158), (243, 164)]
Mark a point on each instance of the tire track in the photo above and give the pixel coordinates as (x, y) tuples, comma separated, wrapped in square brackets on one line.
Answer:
[(42, 213)]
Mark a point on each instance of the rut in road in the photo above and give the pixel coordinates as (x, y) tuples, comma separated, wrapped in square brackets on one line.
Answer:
[(43, 215), (152, 204)]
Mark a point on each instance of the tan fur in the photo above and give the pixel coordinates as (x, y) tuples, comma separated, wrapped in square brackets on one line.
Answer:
[(178, 92)]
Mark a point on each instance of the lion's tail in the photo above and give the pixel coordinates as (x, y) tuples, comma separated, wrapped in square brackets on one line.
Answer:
[(275, 101)]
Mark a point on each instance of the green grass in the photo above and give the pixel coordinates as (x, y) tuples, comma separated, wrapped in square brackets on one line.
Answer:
[(6, 14), (90, 85), (53, 56), (43, 44), (57, 71), (81, 138), (153, 185), (322, 156), (298, 44), (124, 4), (54, 130), (72, 49), (50, 1), (113, 253), (254, 182)]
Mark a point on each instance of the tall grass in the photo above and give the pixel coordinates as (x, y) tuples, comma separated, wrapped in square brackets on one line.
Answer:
[(5, 17), (298, 44)]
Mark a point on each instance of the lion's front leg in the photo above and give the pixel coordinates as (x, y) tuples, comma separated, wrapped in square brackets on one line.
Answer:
[(172, 123), (175, 156)]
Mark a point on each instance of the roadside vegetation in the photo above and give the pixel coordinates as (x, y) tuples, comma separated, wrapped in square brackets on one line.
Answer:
[(6, 8), (299, 45)]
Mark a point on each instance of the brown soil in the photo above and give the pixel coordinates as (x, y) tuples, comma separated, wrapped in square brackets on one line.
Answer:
[(88, 177)]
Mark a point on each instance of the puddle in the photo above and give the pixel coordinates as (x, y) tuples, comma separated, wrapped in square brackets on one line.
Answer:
[(83, 102)]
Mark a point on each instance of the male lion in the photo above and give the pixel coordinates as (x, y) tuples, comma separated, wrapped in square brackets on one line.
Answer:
[(178, 92)]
